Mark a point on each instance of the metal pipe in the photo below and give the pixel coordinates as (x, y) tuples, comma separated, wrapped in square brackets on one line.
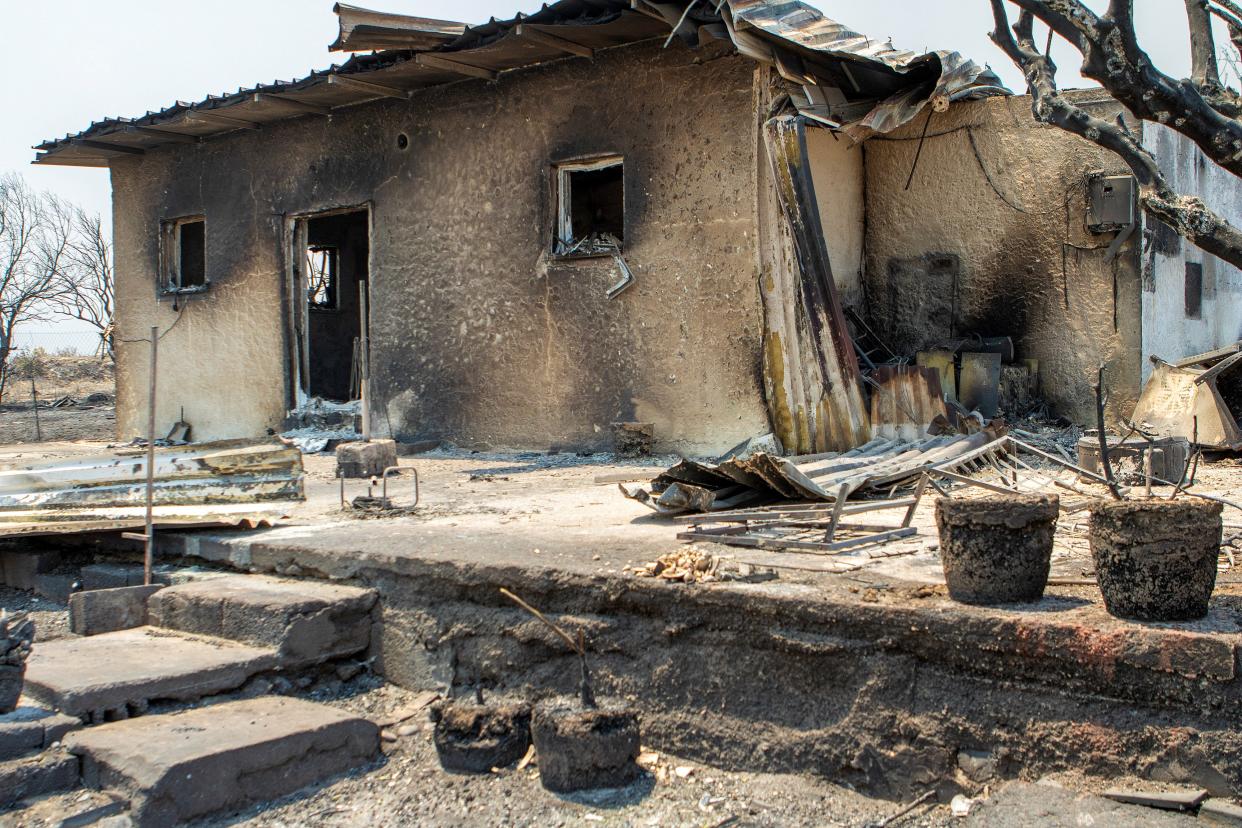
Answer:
[(148, 557), (364, 348)]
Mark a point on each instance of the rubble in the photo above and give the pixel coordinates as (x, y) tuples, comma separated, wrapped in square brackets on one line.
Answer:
[(686, 565), (16, 636)]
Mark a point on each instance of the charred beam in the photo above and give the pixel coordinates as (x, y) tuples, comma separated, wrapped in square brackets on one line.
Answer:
[(378, 89), (210, 117), (101, 145), (553, 41), (436, 62), (166, 134), (291, 103)]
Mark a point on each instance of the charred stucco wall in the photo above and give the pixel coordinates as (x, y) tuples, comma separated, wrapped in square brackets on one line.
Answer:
[(995, 243), (1170, 330), (840, 186), (478, 336), (221, 354)]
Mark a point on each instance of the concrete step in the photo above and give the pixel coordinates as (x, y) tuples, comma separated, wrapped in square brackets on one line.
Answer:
[(221, 758), (48, 772), (305, 621), (117, 674), (30, 729)]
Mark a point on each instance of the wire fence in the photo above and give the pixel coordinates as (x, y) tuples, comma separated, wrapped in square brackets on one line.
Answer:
[(56, 343)]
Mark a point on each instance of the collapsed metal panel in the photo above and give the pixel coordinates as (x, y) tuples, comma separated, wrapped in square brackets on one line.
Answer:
[(227, 472), (812, 379)]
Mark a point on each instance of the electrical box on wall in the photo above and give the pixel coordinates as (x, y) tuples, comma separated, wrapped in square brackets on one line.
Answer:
[(1111, 202)]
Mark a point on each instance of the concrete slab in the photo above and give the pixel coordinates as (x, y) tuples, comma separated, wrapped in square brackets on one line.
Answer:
[(111, 674), (1026, 805), (1221, 812), (223, 757), (47, 773), (31, 728), (108, 610), (307, 621)]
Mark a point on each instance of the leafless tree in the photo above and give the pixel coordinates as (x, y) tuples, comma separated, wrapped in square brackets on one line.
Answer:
[(35, 233), (88, 283), (1200, 107)]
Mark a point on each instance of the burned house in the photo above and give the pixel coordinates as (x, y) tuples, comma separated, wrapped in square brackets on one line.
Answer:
[(699, 217)]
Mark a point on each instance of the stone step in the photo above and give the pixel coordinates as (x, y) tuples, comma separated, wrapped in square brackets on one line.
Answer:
[(30, 729), (305, 621), (117, 674), (221, 758), (48, 772)]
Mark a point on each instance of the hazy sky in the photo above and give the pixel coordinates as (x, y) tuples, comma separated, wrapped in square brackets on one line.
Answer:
[(66, 63)]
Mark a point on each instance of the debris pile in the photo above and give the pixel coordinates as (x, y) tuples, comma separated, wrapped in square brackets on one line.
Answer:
[(882, 464), (687, 566), (1197, 399), (16, 637)]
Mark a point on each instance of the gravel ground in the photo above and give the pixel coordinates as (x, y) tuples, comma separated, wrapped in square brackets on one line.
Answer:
[(408, 787), (51, 619)]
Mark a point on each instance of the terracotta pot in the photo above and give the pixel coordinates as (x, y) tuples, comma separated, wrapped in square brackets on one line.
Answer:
[(996, 549), (1155, 560)]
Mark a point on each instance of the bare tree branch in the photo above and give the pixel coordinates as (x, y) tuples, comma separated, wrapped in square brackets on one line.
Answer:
[(35, 233), (1187, 215), (88, 278), (1111, 56), (1204, 72)]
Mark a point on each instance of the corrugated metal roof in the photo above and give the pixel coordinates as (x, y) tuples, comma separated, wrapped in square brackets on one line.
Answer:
[(849, 79)]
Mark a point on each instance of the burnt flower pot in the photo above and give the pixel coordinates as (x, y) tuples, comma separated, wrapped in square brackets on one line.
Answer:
[(1155, 560), (997, 549), (583, 748), (474, 738)]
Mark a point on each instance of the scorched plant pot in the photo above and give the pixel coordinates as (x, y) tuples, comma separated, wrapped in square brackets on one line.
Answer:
[(582, 748), (996, 549), (474, 738), (1155, 560)]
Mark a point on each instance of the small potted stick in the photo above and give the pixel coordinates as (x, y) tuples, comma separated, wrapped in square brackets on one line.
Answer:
[(582, 743)]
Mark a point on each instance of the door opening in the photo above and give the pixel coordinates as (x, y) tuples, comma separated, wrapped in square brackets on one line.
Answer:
[(331, 259)]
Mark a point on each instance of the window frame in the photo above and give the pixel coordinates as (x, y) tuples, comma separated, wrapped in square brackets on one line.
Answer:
[(334, 277), (562, 231), (1193, 299), (170, 257)]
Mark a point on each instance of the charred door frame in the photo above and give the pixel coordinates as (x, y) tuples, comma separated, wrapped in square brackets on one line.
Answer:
[(296, 301)]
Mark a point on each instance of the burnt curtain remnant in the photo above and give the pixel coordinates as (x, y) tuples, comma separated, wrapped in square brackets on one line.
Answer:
[(813, 382)]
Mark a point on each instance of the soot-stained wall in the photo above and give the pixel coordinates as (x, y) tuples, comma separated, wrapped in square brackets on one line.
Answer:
[(991, 238), (478, 335)]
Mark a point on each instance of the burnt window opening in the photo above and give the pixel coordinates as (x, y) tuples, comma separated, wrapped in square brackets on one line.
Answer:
[(1194, 290), (590, 208), (184, 254), (322, 284)]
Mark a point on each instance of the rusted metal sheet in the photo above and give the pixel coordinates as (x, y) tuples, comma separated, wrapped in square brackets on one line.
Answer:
[(814, 388), (1183, 402), (68, 521), (829, 477), (196, 475), (905, 399), (904, 81), (363, 30)]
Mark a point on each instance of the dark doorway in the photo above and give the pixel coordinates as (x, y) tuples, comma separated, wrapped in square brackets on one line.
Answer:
[(334, 273)]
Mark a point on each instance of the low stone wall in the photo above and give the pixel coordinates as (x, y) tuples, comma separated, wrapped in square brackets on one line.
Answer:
[(885, 694)]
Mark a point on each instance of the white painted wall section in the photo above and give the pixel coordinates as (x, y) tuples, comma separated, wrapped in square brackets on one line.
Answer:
[(1168, 331), (840, 184)]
